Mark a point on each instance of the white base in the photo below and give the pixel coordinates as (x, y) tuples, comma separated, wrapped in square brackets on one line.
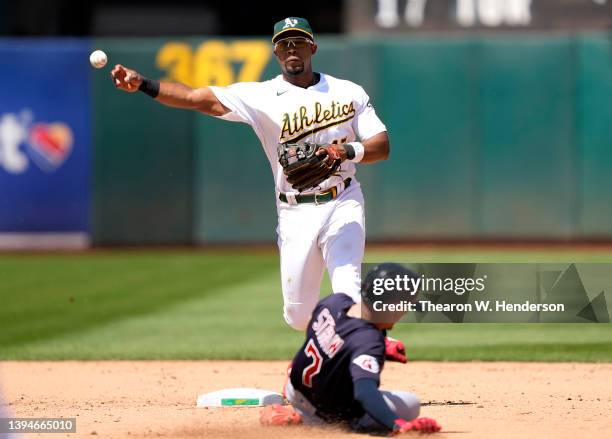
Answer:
[(239, 397)]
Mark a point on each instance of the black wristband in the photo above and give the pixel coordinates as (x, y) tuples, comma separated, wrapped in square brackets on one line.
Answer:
[(149, 87), (350, 151)]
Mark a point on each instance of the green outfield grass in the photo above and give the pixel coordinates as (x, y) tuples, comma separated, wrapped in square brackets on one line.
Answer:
[(227, 305)]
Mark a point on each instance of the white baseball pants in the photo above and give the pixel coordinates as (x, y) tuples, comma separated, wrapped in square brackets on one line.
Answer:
[(313, 237)]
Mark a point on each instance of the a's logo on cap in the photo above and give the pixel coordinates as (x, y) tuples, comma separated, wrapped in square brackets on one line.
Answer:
[(290, 23)]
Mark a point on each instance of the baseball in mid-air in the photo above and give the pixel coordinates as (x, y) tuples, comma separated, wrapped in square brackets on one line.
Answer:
[(98, 59)]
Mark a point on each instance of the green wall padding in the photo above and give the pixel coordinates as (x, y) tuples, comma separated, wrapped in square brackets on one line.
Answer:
[(594, 137), (143, 153), (526, 126)]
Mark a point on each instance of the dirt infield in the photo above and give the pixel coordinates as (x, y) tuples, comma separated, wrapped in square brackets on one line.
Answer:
[(156, 399)]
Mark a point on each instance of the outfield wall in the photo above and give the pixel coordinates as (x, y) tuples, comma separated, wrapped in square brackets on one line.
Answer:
[(495, 137)]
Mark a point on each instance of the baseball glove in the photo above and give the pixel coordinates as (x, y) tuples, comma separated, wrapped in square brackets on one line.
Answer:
[(306, 165)]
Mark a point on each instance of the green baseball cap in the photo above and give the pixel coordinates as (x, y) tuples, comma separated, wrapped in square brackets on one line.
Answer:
[(292, 24)]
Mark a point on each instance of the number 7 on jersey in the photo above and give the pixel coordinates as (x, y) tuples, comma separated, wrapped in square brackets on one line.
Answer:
[(315, 367)]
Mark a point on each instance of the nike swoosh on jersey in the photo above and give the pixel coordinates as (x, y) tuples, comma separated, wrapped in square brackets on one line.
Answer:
[(278, 93)]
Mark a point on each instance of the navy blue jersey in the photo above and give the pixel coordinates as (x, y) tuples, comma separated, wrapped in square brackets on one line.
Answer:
[(338, 351)]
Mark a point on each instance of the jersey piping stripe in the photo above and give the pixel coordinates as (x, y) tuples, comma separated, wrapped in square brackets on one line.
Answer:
[(316, 130)]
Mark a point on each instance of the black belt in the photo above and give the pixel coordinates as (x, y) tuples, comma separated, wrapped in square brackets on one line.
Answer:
[(322, 197)]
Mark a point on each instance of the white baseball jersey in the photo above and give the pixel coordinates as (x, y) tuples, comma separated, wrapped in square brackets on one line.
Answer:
[(332, 110)]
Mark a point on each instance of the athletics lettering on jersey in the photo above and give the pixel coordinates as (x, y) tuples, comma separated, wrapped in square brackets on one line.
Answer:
[(328, 111), (300, 120), (325, 332)]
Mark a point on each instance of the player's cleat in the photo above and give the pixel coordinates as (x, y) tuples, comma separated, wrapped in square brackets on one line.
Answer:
[(277, 414), (424, 425), (395, 350)]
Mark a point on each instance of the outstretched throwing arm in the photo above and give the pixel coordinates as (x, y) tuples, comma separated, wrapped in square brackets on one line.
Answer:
[(172, 94)]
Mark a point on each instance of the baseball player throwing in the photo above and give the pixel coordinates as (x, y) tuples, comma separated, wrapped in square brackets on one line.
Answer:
[(313, 128), (335, 375)]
